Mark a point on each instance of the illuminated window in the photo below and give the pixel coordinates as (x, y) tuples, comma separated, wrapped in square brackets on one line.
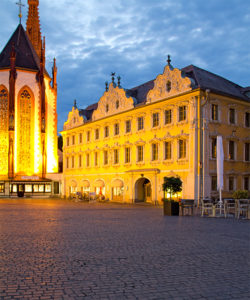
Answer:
[(247, 119), (14, 188), (155, 119), (167, 146), (1, 187), (232, 116), (28, 188), (73, 140), (88, 136), (214, 183), (41, 188), (155, 152), (106, 131), (127, 155), (72, 162), (182, 113), (128, 126), (213, 144), (247, 151), (35, 188), (168, 116), (139, 153), (67, 141), (80, 138), (80, 161), (105, 157), (231, 150), (214, 112), (182, 149), (116, 156), (87, 159), (231, 183), (48, 188), (116, 129), (96, 158), (140, 123), (97, 134)]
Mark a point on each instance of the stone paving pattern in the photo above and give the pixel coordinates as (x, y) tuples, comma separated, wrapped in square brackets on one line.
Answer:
[(56, 249)]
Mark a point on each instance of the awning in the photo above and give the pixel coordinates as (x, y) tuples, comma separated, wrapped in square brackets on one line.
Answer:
[(73, 183), (99, 183), (85, 184), (117, 183)]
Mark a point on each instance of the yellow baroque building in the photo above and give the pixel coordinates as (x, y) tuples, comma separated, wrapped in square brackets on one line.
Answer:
[(123, 146), (28, 117)]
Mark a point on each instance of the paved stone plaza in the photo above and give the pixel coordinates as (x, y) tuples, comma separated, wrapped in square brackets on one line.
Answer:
[(55, 249)]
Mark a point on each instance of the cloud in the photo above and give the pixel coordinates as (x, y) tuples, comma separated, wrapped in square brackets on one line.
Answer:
[(133, 38)]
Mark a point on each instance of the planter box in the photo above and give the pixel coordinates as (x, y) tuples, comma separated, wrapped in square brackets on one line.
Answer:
[(170, 208)]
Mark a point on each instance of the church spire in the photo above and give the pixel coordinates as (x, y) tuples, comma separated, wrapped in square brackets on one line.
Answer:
[(33, 26)]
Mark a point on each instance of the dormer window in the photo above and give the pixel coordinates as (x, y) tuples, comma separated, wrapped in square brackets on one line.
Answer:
[(107, 107), (169, 86), (117, 104)]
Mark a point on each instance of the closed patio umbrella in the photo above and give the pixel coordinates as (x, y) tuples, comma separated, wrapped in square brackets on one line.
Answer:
[(220, 165)]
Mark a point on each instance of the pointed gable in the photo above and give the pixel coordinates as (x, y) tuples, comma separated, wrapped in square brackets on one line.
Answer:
[(26, 56)]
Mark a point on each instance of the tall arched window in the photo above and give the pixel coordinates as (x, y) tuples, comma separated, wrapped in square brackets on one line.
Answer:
[(25, 137), (3, 130)]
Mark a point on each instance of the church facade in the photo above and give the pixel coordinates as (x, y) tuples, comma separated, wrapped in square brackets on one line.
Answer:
[(28, 117), (123, 146)]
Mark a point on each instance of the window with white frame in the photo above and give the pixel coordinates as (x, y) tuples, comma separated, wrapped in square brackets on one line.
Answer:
[(168, 116), (128, 126), (116, 129), (106, 131), (231, 150), (97, 134), (116, 156), (80, 138), (80, 161), (246, 183), (214, 183), (105, 157), (96, 159), (87, 160), (155, 154), (231, 115), (156, 119), (182, 113), (182, 148), (214, 112), (213, 147), (230, 183), (167, 150), (140, 123), (140, 153), (127, 155)]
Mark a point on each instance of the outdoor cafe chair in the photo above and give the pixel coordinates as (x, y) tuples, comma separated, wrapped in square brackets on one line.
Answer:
[(207, 207), (229, 207), (242, 208)]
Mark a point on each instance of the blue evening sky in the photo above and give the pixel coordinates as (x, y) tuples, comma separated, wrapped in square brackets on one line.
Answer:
[(93, 38)]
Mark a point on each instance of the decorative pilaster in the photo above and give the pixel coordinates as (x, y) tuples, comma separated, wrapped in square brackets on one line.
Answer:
[(12, 84), (40, 79)]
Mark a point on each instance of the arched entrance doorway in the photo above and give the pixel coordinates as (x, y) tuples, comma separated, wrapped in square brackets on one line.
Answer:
[(143, 190)]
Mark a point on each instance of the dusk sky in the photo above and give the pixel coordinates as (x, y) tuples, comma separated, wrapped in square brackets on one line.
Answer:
[(90, 39)]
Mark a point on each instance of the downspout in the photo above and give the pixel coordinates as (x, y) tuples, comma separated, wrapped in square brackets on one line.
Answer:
[(202, 146)]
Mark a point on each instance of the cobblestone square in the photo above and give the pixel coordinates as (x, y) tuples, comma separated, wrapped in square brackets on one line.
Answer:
[(56, 249)]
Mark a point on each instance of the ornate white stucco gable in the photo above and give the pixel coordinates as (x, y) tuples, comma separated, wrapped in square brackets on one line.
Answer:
[(168, 84), (74, 119), (112, 102)]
